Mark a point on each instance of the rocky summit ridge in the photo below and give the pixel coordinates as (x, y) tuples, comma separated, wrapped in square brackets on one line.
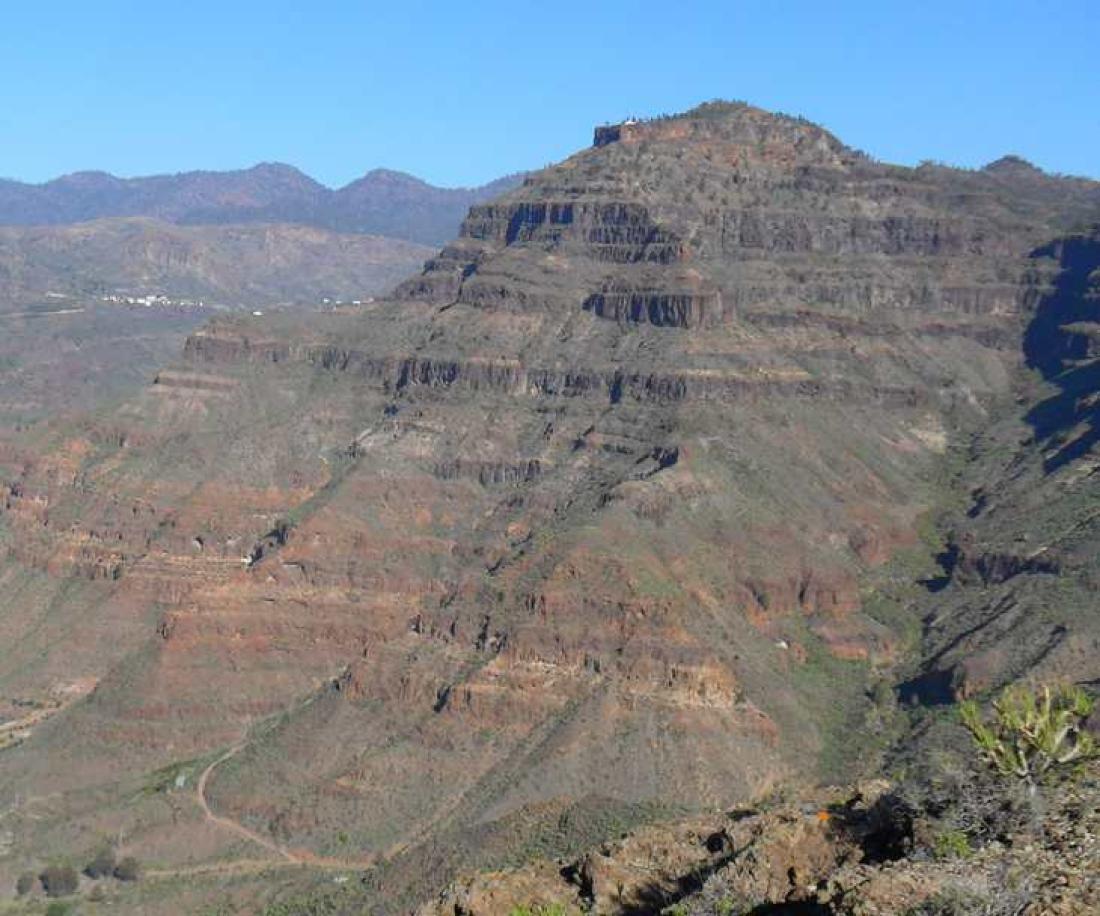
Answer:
[(594, 519)]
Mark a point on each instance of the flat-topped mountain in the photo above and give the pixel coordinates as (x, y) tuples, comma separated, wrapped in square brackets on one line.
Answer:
[(597, 517), (380, 203)]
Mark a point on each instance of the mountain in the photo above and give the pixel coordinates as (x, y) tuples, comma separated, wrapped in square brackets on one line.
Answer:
[(267, 193), (398, 205), (246, 264), (622, 508), (1013, 600), (69, 284)]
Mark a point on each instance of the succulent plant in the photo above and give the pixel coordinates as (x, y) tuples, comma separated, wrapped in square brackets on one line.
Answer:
[(1033, 731)]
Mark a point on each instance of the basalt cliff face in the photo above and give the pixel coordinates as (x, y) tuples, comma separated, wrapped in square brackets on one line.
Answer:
[(585, 511)]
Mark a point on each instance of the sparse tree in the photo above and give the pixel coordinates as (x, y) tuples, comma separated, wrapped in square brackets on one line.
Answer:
[(59, 880), (128, 869), (102, 864), (280, 532), (25, 883)]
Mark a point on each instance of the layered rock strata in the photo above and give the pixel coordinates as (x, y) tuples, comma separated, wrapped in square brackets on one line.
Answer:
[(583, 510)]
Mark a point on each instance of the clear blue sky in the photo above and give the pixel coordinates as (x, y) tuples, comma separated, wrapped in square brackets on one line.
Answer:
[(462, 92)]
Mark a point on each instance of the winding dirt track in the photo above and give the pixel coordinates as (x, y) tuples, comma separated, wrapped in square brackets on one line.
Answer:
[(232, 825), (286, 858)]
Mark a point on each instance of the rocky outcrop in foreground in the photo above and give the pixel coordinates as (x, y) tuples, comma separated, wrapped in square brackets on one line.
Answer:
[(863, 852)]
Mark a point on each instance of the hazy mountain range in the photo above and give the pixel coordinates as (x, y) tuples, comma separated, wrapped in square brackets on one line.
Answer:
[(250, 237), (382, 202)]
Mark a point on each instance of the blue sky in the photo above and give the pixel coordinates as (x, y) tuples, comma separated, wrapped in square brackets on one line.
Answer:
[(462, 92)]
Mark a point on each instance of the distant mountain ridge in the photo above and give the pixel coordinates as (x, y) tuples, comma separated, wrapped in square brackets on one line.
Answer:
[(382, 202)]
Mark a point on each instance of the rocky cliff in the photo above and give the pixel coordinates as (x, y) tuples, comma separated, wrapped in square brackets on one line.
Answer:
[(585, 511)]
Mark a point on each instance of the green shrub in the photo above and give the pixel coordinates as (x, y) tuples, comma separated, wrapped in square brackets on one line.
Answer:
[(953, 792), (128, 869), (102, 864), (1033, 732), (539, 909), (280, 532), (950, 902), (59, 880), (965, 897), (952, 844), (25, 883), (59, 908), (882, 694)]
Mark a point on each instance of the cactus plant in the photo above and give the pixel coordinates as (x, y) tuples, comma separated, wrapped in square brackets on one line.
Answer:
[(1033, 731)]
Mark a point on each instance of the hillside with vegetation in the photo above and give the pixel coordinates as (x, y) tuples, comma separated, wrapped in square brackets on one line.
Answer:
[(710, 466), (245, 266)]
